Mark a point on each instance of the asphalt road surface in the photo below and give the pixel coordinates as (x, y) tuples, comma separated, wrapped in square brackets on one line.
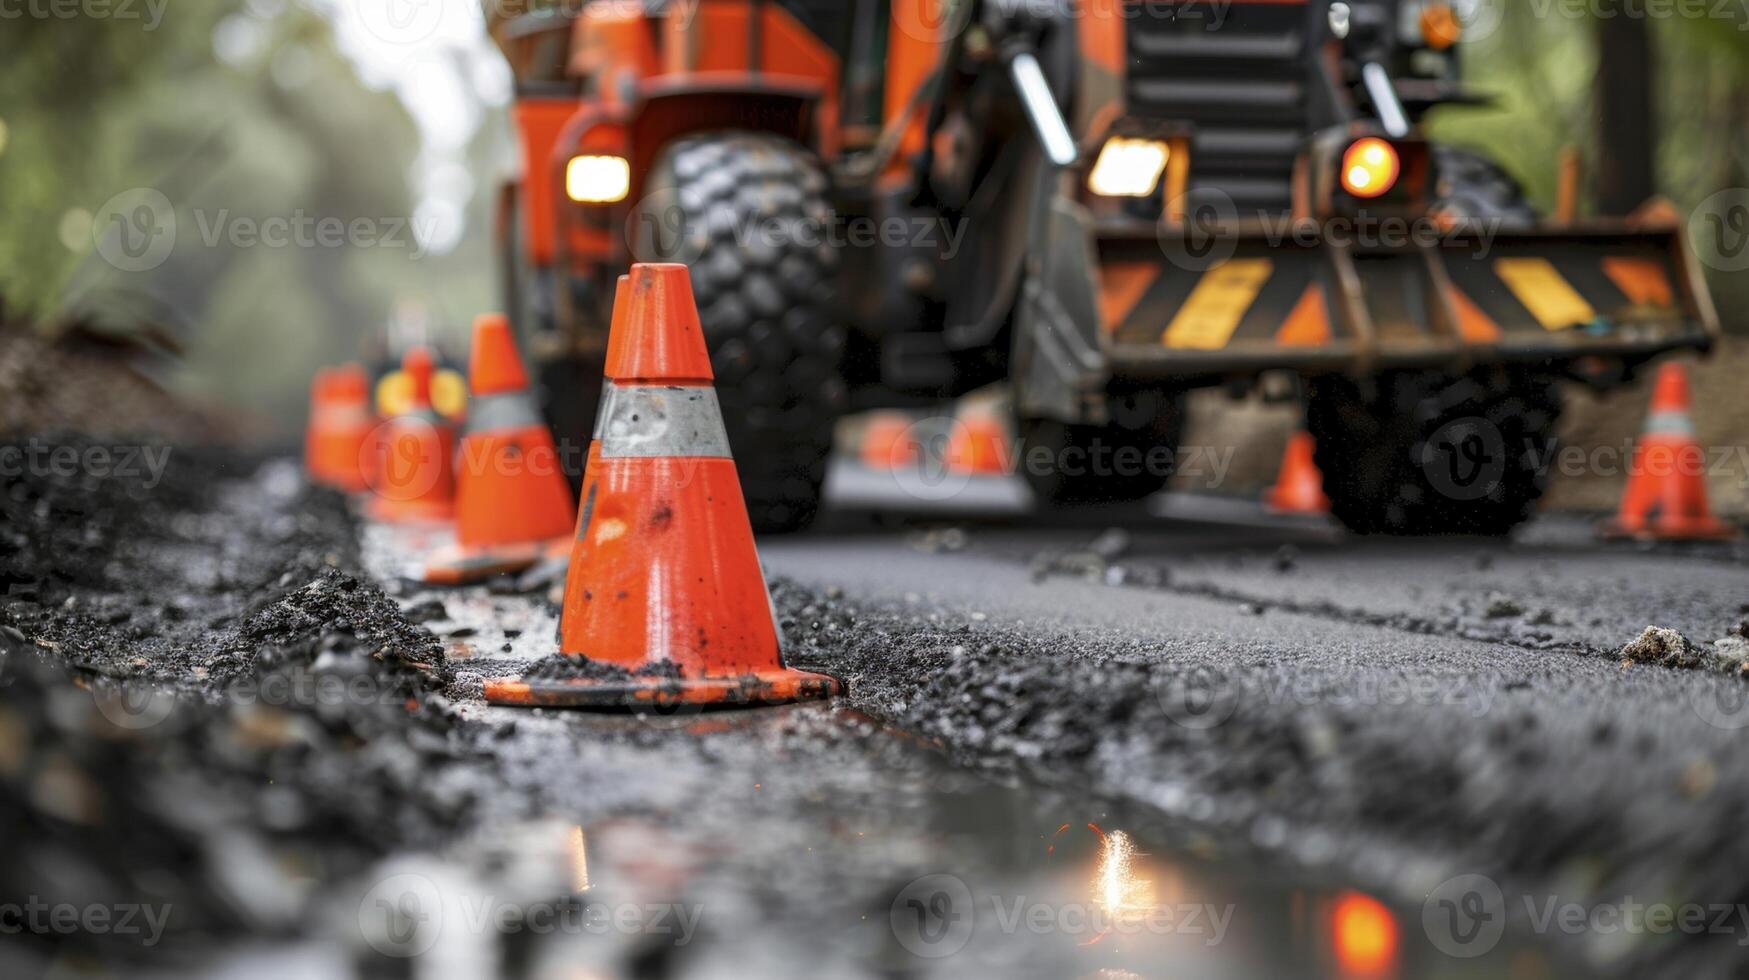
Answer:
[(1278, 715), (1183, 739)]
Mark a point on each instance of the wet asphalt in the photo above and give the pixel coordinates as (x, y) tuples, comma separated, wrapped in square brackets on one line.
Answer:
[(1182, 739)]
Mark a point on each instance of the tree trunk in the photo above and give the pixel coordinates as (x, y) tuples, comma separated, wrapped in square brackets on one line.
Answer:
[(1627, 130)]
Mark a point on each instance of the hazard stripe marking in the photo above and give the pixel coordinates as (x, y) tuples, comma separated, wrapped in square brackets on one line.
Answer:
[(1473, 325), (1217, 304), (1549, 297), (1121, 285), (1309, 323), (1642, 281)]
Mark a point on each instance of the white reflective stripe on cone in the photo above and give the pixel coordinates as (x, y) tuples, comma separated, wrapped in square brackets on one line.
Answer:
[(671, 420)]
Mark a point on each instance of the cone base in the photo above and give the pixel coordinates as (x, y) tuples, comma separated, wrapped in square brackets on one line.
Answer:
[(1702, 529), (456, 565), (766, 687)]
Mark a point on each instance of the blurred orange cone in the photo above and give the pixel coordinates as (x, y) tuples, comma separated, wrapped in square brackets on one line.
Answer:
[(978, 445), (665, 602), (513, 504), (1666, 496), (348, 429), (887, 442), (315, 431), (1299, 486), (413, 478)]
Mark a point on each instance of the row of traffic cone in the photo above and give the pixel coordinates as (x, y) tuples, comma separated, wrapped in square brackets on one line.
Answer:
[(1665, 498), (977, 444), (661, 512)]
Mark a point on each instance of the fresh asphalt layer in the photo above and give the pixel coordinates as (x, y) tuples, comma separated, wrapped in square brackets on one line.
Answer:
[(1184, 738)]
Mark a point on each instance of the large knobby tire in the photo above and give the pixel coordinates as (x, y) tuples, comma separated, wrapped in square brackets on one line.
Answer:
[(1425, 454), (1117, 462), (1472, 186), (748, 212)]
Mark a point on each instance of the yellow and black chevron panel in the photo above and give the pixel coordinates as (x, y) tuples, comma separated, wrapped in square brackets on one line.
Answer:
[(1258, 296), (1571, 290), (1538, 285)]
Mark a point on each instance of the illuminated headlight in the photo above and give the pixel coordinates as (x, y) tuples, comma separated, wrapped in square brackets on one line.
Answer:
[(598, 179), (1128, 167)]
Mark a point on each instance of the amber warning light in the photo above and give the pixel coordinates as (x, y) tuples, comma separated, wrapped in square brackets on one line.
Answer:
[(1370, 167)]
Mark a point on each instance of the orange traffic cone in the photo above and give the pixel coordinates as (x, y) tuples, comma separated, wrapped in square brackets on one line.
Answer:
[(315, 432), (413, 476), (1299, 486), (347, 428), (1666, 495), (978, 445), (513, 504), (665, 602), (887, 442)]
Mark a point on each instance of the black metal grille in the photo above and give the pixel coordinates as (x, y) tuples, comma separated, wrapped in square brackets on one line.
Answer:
[(1237, 73)]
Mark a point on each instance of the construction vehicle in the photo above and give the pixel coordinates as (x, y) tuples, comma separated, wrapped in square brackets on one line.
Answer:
[(1101, 204)]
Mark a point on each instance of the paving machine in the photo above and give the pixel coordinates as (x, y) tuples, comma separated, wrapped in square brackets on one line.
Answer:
[(1102, 204)]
